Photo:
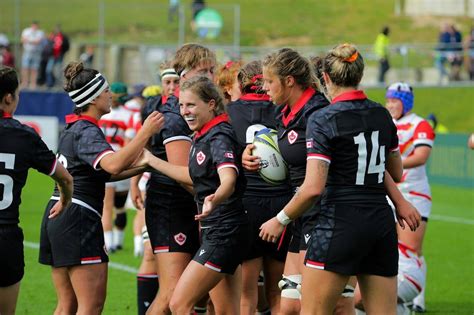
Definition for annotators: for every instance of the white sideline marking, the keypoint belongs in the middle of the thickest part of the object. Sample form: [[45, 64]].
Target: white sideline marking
[[112, 265], [446, 218]]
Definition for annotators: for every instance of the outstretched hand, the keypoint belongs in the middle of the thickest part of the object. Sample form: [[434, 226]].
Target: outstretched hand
[[153, 123], [207, 207]]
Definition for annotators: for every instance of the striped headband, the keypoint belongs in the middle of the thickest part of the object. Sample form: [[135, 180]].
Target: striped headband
[[90, 91], [169, 73]]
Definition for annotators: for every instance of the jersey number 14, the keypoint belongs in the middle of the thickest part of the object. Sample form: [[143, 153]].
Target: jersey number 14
[[373, 168]]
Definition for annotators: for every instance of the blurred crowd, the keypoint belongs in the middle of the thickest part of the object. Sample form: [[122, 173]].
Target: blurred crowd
[[41, 59]]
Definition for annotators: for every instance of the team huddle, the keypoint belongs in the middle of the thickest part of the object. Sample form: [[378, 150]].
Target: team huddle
[[343, 230]]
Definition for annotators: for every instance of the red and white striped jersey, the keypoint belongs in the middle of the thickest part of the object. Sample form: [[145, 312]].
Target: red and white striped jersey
[[114, 125], [414, 131], [133, 125], [410, 265]]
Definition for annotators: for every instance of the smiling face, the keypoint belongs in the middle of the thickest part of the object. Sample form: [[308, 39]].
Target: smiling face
[[395, 107], [195, 111], [170, 84], [273, 86]]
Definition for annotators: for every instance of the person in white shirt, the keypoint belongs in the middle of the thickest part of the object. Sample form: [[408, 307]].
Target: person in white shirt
[[31, 38], [416, 138]]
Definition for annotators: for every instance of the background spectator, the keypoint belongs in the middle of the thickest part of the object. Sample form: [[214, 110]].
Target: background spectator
[[31, 38], [6, 56], [469, 54], [60, 45], [381, 51], [173, 10], [87, 57], [449, 49], [196, 7]]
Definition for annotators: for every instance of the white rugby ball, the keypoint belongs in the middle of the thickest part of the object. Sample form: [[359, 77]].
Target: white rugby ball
[[273, 167]]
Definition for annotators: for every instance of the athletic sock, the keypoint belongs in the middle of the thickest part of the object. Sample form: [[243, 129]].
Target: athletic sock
[[138, 245], [264, 312], [420, 299], [200, 310], [109, 240], [119, 236], [147, 287]]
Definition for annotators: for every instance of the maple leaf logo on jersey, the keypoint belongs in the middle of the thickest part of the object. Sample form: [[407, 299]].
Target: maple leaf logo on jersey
[[180, 238], [309, 143], [200, 157], [292, 136]]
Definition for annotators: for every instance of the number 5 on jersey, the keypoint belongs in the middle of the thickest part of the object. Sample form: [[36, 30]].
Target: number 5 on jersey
[[373, 168], [7, 181]]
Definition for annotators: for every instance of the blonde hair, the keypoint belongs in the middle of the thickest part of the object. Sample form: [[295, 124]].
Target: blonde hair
[[288, 62], [344, 65], [226, 76], [189, 56], [206, 90]]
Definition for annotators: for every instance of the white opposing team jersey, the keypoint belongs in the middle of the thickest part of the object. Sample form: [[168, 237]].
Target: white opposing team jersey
[[414, 131], [410, 266], [114, 125], [133, 125]]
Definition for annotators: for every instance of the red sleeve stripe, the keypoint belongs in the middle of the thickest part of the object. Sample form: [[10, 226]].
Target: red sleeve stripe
[[53, 167], [415, 193], [171, 139], [227, 164], [100, 156], [315, 156]]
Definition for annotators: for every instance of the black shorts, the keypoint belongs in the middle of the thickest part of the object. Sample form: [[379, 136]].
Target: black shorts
[[12, 262], [223, 248], [170, 222], [75, 237], [354, 239], [260, 210], [302, 228]]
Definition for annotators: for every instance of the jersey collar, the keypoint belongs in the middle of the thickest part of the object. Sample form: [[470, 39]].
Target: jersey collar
[[254, 97], [210, 124], [73, 118], [350, 96], [6, 115], [305, 97]]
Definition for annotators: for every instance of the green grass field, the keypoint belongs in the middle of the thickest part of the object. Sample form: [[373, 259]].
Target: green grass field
[[266, 22], [449, 249], [452, 106]]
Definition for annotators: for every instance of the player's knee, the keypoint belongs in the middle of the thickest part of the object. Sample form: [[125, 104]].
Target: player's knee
[[290, 286]]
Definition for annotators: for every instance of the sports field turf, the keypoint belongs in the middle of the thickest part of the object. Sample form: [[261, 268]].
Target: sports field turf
[[449, 249]]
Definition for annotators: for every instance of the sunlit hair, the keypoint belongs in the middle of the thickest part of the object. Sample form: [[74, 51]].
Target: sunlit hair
[[206, 90], [189, 56], [344, 65], [226, 76], [250, 78], [288, 62], [76, 77]]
